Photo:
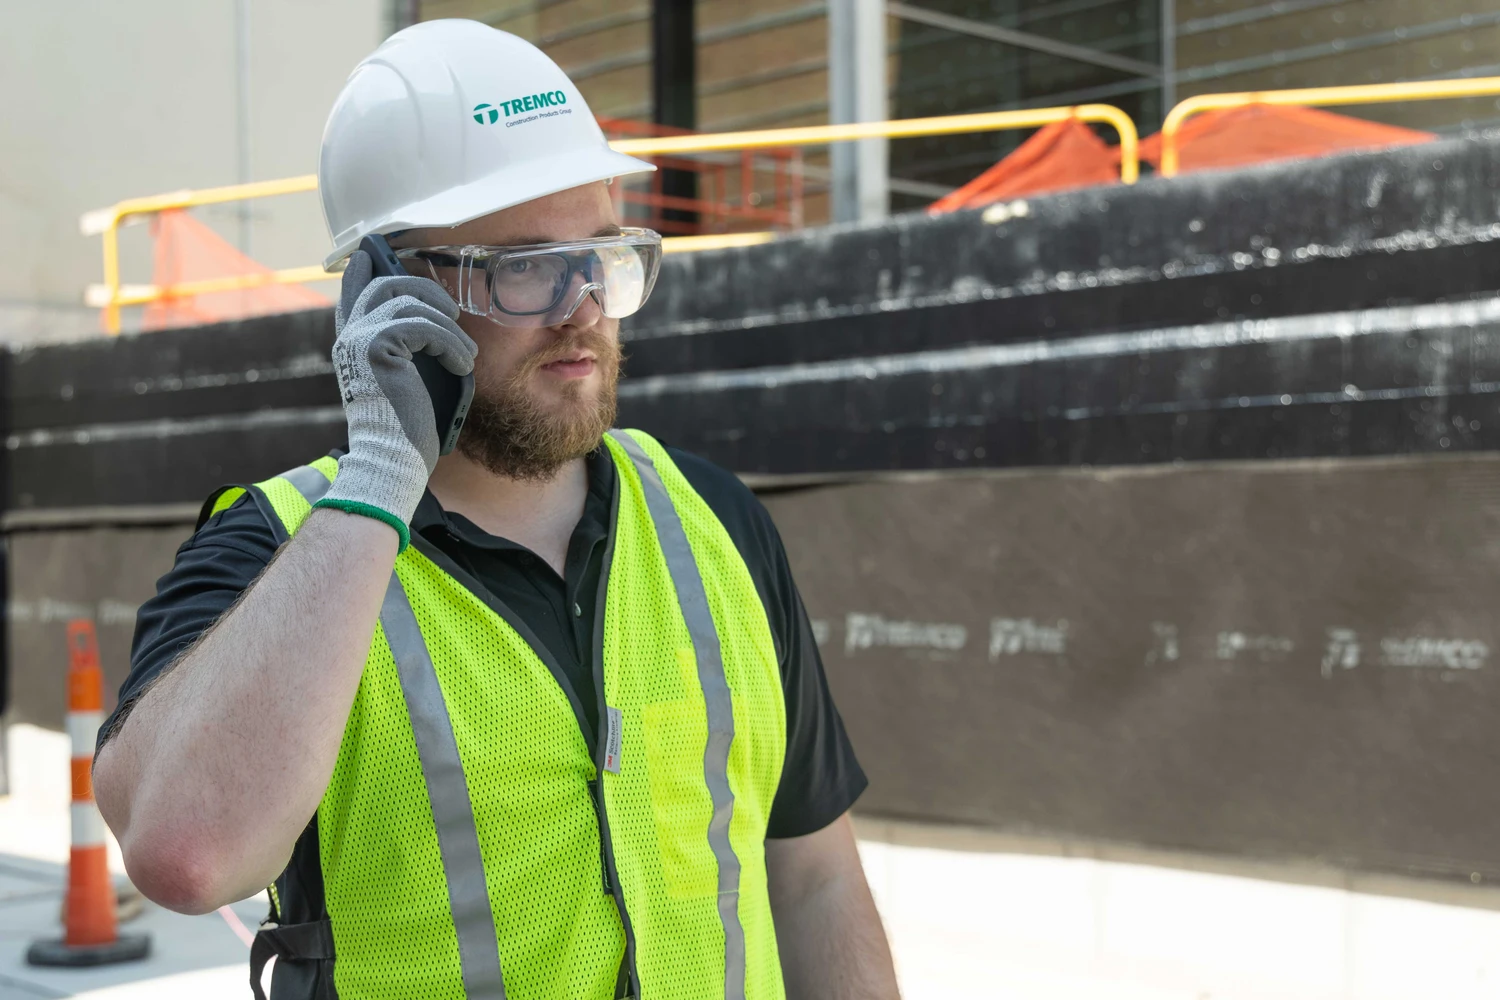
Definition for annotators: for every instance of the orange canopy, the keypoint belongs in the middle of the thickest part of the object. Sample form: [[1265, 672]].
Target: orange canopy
[[1061, 156], [188, 250], [1259, 133]]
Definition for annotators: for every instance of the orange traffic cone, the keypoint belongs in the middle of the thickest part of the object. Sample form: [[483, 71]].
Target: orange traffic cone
[[91, 937]]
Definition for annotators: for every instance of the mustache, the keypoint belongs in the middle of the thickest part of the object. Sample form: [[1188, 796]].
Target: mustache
[[602, 347]]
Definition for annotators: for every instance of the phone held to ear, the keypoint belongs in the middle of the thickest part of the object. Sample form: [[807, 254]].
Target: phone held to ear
[[451, 394]]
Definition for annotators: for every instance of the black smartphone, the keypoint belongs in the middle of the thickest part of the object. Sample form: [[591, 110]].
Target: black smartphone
[[451, 394]]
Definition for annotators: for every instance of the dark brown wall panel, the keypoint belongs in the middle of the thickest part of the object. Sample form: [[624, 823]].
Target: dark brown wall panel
[[1288, 661]]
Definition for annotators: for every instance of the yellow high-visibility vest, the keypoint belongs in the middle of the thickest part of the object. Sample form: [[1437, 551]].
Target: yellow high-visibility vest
[[472, 848]]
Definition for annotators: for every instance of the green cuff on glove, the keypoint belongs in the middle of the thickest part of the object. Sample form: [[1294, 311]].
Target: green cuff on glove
[[355, 507]]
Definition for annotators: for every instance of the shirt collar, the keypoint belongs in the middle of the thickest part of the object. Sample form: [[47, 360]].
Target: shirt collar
[[430, 514]]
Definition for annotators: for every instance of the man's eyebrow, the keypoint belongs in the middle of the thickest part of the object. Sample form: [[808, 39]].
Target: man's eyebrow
[[527, 241]]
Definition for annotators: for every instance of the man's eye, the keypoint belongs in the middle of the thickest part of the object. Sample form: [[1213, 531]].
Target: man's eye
[[517, 266]]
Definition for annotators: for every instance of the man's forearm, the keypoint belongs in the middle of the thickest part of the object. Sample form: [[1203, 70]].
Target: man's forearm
[[832, 944], [834, 948], [221, 764]]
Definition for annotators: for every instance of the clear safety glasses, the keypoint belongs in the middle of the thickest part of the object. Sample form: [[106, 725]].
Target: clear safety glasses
[[544, 284]]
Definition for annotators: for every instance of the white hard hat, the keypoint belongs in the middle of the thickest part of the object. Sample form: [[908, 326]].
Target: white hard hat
[[448, 121]]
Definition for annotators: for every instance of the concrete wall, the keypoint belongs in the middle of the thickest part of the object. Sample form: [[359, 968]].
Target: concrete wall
[[130, 99]]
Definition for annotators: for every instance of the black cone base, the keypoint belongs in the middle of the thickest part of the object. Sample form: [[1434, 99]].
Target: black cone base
[[126, 948]]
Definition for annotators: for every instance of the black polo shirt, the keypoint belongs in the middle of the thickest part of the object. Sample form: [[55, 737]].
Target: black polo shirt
[[821, 777]]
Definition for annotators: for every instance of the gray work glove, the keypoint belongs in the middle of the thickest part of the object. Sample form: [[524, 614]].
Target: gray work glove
[[393, 436]]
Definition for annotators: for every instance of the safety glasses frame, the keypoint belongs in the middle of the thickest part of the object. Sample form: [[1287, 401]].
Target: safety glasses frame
[[472, 261]]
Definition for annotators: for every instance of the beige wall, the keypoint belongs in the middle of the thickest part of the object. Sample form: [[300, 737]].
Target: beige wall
[[111, 100]]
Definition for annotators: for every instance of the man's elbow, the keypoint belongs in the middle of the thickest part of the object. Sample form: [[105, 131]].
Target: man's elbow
[[169, 858], [177, 871]]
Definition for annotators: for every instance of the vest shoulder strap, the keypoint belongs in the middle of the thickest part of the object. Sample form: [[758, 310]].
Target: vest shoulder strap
[[291, 495], [623, 441], [218, 501], [631, 446], [285, 500]]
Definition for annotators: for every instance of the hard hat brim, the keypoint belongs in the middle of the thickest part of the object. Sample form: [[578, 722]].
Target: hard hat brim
[[489, 194]]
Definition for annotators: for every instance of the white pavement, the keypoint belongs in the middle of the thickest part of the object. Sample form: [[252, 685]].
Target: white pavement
[[192, 957], [970, 924], [971, 916]]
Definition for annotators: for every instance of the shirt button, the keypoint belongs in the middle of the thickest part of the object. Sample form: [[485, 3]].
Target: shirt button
[[577, 611]]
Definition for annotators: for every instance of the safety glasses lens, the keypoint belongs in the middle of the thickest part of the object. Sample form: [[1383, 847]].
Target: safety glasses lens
[[529, 286], [543, 285], [622, 273]]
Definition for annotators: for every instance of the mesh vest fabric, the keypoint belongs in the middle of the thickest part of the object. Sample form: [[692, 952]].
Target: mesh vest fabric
[[528, 771], [671, 892]]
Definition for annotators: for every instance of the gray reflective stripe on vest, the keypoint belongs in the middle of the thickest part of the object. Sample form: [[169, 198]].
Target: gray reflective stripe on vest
[[448, 791], [700, 622], [443, 773], [311, 483]]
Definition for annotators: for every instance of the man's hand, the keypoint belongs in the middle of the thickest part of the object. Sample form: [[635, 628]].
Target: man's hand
[[393, 436], [827, 929]]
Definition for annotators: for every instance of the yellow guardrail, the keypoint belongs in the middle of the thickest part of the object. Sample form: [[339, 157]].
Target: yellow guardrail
[[1374, 93], [99, 296], [905, 128], [106, 222], [112, 295]]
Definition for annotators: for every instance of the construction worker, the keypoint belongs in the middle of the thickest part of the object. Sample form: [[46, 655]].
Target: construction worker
[[542, 717]]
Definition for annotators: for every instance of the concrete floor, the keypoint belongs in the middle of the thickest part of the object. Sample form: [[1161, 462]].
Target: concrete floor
[[971, 916], [979, 922], [191, 956]]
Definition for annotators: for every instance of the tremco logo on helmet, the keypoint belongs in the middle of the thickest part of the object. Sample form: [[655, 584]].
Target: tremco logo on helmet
[[489, 114]]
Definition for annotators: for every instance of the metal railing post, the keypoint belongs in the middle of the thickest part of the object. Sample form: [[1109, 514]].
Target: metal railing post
[[112, 275]]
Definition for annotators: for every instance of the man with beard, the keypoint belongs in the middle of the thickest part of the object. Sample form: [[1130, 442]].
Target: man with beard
[[542, 717]]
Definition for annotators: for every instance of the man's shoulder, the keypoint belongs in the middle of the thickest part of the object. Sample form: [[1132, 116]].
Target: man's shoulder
[[242, 526], [741, 513], [723, 491]]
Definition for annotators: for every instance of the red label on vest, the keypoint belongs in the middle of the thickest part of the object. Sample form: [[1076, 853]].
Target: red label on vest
[[612, 741]]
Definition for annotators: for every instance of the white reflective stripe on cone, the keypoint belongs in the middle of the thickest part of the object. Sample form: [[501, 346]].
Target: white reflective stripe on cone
[[83, 731], [88, 825]]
